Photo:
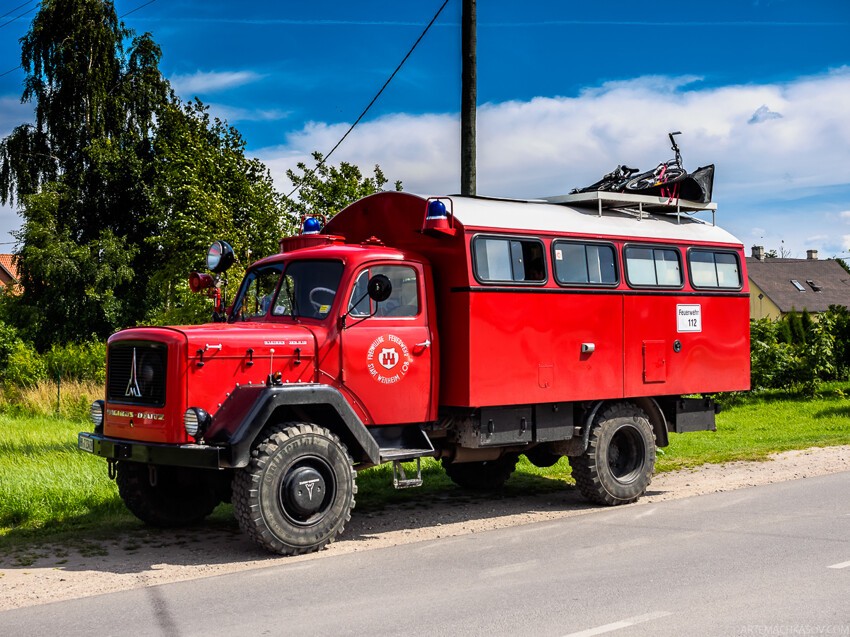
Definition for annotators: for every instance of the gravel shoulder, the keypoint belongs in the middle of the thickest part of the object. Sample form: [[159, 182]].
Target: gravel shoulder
[[53, 572]]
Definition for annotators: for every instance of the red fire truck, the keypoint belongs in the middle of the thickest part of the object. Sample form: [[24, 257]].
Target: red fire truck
[[467, 329]]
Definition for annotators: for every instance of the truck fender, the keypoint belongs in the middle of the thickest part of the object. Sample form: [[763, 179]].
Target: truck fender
[[648, 405], [248, 409], [656, 419]]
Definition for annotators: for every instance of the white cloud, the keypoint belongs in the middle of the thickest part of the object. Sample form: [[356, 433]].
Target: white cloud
[[547, 146], [844, 214], [205, 82], [238, 114]]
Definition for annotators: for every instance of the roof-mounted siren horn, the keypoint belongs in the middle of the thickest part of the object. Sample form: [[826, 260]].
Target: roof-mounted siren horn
[[439, 216]]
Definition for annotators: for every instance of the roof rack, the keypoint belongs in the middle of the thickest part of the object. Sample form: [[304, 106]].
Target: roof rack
[[635, 204]]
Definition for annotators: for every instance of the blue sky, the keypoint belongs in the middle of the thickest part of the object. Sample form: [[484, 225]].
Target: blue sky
[[567, 90]]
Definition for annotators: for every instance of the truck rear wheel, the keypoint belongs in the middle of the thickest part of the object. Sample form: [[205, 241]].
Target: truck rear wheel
[[481, 476], [167, 496], [620, 458], [297, 492]]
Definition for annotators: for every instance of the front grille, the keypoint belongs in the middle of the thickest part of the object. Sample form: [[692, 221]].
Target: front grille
[[137, 373]]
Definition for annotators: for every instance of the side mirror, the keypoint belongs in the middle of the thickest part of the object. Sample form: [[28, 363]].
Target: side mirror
[[380, 288]]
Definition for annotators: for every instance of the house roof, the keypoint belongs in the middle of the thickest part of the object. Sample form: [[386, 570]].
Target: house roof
[[7, 263], [823, 283]]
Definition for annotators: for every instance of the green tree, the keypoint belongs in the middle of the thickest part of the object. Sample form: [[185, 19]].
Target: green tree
[[806, 323], [325, 190], [80, 171], [205, 189], [840, 320], [783, 332], [56, 265], [122, 187], [798, 334]]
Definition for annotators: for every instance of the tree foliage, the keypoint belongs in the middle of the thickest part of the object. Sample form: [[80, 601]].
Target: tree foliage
[[325, 190], [121, 187]]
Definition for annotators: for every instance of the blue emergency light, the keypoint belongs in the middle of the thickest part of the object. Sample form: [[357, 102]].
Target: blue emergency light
[[311, 226], [437, 210]]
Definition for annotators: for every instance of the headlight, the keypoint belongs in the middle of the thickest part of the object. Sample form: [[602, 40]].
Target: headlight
[[196, 421], [96, 414]]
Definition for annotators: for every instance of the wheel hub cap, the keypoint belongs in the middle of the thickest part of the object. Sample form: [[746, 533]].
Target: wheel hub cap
[[303, 492]]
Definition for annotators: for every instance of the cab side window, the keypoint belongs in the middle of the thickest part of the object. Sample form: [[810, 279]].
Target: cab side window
[[403, 301]]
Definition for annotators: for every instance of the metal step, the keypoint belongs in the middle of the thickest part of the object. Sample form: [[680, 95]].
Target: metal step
[[392, 454], [400, 479]]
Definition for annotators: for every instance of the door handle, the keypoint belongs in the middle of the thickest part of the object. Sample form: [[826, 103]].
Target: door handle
[[424, 344]]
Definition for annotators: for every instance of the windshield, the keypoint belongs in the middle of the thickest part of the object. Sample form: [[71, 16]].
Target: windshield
[[306, 290]]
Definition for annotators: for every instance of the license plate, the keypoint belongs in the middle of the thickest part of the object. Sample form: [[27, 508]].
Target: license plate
[[85, 443]]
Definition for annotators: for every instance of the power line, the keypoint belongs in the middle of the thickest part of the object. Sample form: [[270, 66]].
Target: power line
[[141, 6], [18, 17], [20, 6], [374, 99]]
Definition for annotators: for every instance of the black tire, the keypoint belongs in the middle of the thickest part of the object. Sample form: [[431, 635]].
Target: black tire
[[179, 496], [620, 458], [489, 475], [297, 492]]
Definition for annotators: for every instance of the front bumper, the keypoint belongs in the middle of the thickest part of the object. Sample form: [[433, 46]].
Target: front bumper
[[197, 456]]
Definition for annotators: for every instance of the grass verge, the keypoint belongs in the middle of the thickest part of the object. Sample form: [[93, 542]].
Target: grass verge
[[48, 489]]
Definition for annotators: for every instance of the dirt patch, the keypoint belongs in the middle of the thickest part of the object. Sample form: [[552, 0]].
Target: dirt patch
[[52, 572]]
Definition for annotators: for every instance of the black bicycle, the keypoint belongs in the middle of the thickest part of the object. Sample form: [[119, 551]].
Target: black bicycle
[[615, 181], [667, 172]]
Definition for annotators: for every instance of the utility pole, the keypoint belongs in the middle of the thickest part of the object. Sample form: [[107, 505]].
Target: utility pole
[[469, 97]]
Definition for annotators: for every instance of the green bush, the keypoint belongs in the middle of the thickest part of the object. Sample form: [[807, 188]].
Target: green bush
[[9, 340], [77, 361], [801, 363], [24, 367]]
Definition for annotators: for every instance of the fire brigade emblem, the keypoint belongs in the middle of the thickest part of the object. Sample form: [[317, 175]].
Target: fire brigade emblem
[[388, 359]]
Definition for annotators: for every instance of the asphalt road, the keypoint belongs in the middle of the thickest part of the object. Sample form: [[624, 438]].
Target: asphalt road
[[771, 560]]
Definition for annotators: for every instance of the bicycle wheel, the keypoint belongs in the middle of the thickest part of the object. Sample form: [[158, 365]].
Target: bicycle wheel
[[648, 180], [642, 181]]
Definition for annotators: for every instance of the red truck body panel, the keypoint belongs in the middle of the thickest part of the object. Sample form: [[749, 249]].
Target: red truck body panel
[[509, 344]]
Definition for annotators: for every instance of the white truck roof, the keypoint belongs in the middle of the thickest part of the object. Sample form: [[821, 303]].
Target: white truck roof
[[600, 214]]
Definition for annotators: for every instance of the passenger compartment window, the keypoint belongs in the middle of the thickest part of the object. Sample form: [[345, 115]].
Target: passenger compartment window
[[584, 263], [656, 267], [503, 260], [711, 269]]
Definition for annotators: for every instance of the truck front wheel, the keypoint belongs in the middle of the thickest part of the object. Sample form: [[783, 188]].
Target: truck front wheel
[[481, 476], [620, 458], [297, 492], [167, 496]]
